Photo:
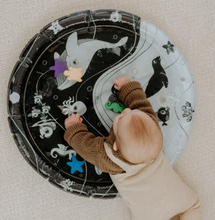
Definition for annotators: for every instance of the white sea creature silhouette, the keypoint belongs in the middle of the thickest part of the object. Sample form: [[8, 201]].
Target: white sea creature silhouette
[[115, 16], [34, 113], [68, 102], [46, 127], [67, 105], [66, 184], [80, 55], [46, 108], [62, 151], [56, 27], [78, 107], [37, 98]]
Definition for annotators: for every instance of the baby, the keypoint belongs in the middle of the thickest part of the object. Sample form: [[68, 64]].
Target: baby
[[132, 155]]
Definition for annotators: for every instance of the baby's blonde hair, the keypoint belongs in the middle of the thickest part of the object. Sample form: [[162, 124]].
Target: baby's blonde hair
[[140, 135], [136, 129]]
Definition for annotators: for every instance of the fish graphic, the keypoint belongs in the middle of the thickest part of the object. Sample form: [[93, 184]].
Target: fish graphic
[[163, 115]]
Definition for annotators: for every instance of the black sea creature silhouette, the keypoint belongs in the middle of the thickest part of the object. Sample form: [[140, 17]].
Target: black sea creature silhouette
[[188, 111], [169, 47], [158, 79], [163, 115]]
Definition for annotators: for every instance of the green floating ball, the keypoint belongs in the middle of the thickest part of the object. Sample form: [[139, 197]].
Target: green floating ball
[[116, 107]]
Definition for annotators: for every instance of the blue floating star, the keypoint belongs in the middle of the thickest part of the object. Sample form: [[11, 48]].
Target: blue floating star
[[76, 165], [58, 67]]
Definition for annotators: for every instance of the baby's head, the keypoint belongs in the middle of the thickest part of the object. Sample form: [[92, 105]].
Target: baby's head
[[138, 138]]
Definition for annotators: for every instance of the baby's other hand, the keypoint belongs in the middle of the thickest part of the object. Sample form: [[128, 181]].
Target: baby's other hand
[[119, 82], [72, 119]]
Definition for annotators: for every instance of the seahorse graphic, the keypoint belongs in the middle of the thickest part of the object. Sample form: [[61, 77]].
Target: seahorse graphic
[[117, 107], [62, 151]]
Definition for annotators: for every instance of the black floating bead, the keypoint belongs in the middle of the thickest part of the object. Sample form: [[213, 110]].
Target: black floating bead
[[114, 91]]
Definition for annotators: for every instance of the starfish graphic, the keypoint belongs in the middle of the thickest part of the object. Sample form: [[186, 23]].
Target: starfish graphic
[[55, 27], [76, 165], [59, 67], [169, 47]]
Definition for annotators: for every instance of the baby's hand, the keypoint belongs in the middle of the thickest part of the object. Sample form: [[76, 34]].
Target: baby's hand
[[119, 82], [72, 119]]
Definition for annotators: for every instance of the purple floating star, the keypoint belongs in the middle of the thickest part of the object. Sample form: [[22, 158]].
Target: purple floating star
[[59, 67]]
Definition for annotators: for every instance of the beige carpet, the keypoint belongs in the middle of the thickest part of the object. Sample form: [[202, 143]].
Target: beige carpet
[[190, 25]]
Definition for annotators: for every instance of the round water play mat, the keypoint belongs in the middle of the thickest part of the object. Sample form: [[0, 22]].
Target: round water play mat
[[69, 67]]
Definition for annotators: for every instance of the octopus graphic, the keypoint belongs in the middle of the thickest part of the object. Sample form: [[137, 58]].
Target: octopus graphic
[[69, 107]]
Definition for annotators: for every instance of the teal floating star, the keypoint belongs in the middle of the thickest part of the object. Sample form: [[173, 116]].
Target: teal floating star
[[76, 165]]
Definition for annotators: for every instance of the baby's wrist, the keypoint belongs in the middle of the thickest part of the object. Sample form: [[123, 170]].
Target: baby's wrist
[[72, 124]]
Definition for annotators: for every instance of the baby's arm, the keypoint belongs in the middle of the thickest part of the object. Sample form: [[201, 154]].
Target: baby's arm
[[88, 146], [133, 96]]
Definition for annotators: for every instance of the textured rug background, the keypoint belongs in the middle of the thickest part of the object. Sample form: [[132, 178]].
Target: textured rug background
[[190, 25]]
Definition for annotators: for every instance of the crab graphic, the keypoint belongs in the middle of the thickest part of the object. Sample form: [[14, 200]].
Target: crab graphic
[[74, 74]]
